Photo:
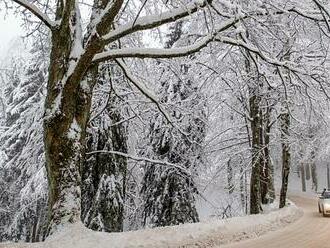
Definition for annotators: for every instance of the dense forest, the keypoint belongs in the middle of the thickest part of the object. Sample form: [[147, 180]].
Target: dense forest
[[127, 114]]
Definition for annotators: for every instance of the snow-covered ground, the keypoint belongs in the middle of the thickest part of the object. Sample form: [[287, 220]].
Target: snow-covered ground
[[205, 234]]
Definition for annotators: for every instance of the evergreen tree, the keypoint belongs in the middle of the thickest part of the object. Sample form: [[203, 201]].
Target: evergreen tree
[[104, 174], [22, 175], [169, 193]]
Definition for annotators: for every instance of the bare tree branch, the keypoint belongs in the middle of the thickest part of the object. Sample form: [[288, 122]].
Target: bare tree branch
[[143, 159], [152, 21], [285, 64], [37, 12], [147, 93], [143, 89], [322, 7], [325, 13]]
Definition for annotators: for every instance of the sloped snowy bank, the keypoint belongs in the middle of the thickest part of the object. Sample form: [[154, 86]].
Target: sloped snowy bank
[[205, 234]]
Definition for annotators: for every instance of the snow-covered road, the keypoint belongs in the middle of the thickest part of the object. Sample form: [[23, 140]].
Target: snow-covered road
[[310, 231]]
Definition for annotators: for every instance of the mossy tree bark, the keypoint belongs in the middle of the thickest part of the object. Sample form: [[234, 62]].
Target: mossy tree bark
[[67, 107]]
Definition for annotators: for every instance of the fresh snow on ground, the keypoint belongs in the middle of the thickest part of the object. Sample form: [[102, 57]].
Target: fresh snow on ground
[[210, 233]]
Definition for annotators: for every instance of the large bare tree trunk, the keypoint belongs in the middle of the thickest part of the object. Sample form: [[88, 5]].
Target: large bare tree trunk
[[255, 190], [284, 120], [254, 85], [67, 107], [285, 124]]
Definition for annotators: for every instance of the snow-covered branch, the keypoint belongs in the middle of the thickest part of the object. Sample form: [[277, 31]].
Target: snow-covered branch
[[163, 53], [285, 64], [152, 21], [146, 92], [100, 18], [143, 159], [153, 52], [37, 12]]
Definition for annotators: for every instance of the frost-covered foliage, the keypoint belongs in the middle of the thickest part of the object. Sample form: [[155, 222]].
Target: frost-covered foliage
[[169, 193], [104, 175], [22, 171]]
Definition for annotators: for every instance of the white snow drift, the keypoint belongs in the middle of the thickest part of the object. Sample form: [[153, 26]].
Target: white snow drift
[[205, 234]]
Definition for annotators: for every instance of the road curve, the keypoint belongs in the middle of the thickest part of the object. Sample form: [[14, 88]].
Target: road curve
[[312, 230]]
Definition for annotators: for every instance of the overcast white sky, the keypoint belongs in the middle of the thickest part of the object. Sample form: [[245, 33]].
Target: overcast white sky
[[9, 28]]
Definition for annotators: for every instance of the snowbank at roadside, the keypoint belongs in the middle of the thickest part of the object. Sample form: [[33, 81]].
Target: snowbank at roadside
[[204, 234]]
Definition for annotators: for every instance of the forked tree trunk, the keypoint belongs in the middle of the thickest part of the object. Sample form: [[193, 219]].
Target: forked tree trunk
[[67, 107], [285, 124]]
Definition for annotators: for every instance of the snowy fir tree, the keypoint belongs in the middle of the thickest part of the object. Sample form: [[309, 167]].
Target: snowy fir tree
[[23, 179], [104, 174], [169, 193]]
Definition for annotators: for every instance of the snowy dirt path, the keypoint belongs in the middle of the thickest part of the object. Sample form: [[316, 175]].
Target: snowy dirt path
[[312, 230]]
